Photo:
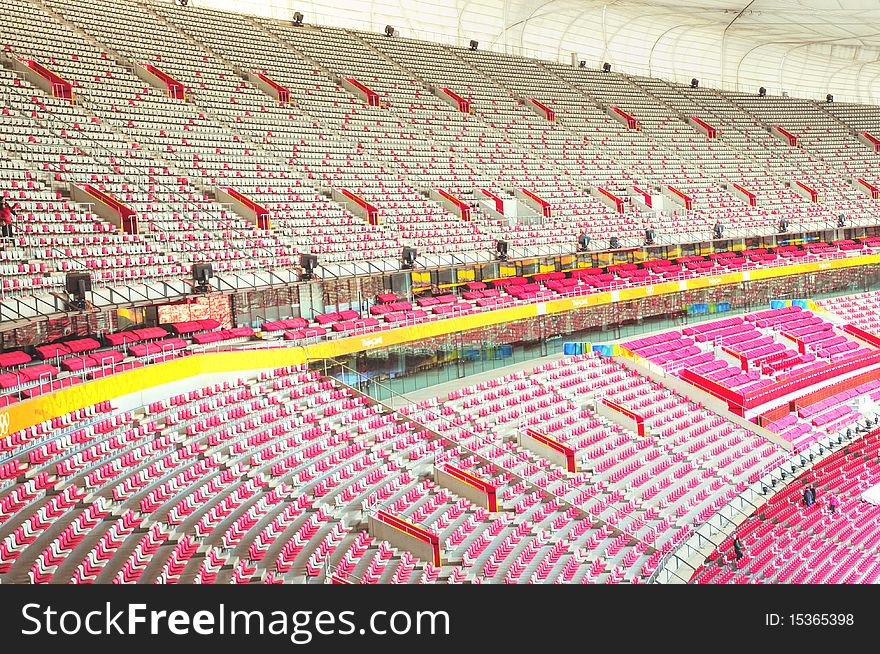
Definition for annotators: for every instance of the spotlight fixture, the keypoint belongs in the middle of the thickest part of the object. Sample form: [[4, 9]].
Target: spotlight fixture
[[408, 257], [829, 98], [389, 30], [201, 274], [308, 263], [762, 91], [298, 19], [583, 242], [695, 83], [77, 285], [501, 250], [606, 67], [474, 44]]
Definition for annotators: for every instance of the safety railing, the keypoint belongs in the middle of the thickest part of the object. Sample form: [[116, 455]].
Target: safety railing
[[678, 565]]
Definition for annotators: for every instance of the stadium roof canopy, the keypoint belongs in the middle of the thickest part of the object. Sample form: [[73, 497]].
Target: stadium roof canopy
[[804, 47]]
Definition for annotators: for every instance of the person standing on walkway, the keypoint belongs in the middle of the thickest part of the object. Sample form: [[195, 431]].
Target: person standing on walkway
[[809, 496], [6, 217], [739, 550]]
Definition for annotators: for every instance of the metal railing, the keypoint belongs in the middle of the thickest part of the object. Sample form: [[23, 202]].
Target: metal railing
[[674, 567]]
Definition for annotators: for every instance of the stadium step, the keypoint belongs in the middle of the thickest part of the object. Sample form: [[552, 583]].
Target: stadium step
[[622, 116], [608, 198], [106, 206], [453, 99], [643, 197], [244, 206], [541, 109], [270, 87], [497, 203], [870, 140], [161, 80], [535, 201], [40, 76], [741, 192], [784, 135], [805, 190], [452, 203], [678, 196], [361, 90], [357, 205], [703, 127], [864, 186]]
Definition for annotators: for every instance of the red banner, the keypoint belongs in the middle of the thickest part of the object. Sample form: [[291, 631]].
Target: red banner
[[129, 219], [261, 212], [546, 208], [553, 444], [464, 209], [283, 92], [61, 88], [688, 200], [412, 530], [175, 88], [471, 480], [371, 95], [372, 211], [464, 106], [548, 112], [499, 203]]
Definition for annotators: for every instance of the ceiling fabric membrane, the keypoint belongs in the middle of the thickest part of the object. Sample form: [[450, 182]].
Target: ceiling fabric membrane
[[803, 47]]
